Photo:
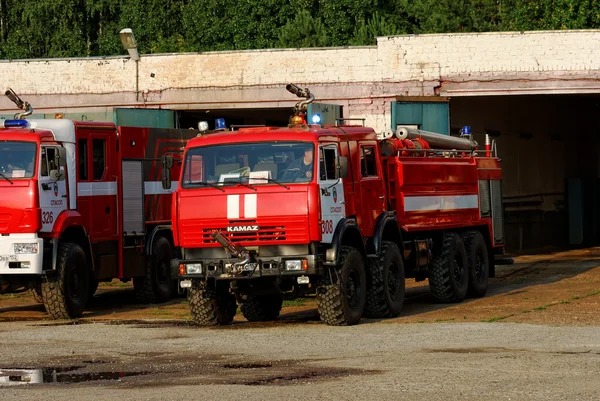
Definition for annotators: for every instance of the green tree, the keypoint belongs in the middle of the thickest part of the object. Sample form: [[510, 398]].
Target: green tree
[[440, 16], [366, 33], [303, 31], [525, 15]]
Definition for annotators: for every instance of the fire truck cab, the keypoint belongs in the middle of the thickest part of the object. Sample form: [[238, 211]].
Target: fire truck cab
[[339, 211], [81, 202]]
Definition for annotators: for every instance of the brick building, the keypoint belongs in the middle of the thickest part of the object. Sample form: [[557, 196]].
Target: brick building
[[537, 93]]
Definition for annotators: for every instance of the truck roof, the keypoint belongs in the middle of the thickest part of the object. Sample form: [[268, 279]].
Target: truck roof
[[60, 130], [266, 134]]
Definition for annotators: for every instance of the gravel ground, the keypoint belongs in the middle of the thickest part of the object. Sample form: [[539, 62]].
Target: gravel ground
[[378, 360], [535, 336]]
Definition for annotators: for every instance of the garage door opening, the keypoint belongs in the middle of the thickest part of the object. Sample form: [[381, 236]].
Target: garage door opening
[[237, 117], [549, 146]]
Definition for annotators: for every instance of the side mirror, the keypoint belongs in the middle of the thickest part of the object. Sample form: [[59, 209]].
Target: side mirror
[[167, 163], [61, 157], [342, 167], [56, 175]]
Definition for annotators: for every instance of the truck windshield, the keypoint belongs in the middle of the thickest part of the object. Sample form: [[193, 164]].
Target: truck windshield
[[258, 163], [17, 159]]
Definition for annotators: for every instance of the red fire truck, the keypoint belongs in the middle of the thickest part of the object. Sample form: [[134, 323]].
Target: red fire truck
[[82, 202], [334, 210]]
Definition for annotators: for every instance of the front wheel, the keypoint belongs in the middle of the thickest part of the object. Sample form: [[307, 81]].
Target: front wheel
[[36, 293], [66, 292], [262, 308], [343, 303], [210, 307]]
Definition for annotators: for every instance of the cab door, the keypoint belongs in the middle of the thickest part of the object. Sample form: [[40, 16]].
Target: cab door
[[97, 185], [53, 194], [331, 188], [371, 188]]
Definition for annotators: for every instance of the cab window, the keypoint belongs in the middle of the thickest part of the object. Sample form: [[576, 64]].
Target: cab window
[[368, 166], [327, 164], [48, 162]]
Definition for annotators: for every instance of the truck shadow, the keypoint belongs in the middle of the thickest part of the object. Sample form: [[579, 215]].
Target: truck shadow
[[120, 304]]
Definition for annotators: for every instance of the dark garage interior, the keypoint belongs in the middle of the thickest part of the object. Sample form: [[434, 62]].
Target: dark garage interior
[[549, 146]]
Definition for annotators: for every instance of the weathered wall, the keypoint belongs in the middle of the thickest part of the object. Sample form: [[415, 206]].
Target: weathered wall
[[362, 79]]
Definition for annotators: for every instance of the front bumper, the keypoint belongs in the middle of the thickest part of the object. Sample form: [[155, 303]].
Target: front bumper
[[224, 269], [25, 263]]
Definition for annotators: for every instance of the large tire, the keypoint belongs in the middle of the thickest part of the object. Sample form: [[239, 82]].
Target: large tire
[[449, 271], [262, 308], [385, 297], [66, 293], [209, 308], [157, 285], [36, 293], [478, 262], [343, 303]]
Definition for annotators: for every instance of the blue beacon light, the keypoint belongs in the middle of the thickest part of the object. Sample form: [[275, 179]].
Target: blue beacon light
[[220, 124], [15, 123]]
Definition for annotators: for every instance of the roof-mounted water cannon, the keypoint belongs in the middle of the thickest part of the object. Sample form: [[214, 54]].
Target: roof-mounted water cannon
[[20, 104], [299, 117]]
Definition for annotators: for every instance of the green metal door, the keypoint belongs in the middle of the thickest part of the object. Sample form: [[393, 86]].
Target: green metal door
[[149, 118], [431, 116], [328, 113]]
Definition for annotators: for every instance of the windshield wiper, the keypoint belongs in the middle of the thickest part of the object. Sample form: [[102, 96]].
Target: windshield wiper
[[245, 185], [208, 184], [271, 180], [6, 178]]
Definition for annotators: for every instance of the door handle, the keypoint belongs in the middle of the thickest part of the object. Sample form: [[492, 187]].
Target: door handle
[[107, 210], [64, 195], [382, 197]]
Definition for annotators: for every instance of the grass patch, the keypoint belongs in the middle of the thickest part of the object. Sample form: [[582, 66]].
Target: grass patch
[[294, 302], [496, 318]]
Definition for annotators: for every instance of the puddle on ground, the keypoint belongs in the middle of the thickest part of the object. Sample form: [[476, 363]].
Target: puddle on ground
[[68, 375]]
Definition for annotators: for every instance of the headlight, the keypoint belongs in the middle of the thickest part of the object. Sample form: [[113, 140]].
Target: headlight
[[193, 268], [294, 265], [26, 248]]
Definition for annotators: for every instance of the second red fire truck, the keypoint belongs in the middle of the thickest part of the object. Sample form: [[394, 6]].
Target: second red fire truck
[[334, 210]]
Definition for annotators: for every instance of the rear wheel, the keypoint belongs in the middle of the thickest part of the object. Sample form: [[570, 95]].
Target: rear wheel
[[66, 292], [157, 285], [262, 308], [210, 307], [449, 271], [479, 263], [385, 298], [343, 303]]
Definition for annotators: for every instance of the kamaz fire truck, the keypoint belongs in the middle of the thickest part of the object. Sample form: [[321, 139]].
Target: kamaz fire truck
[[339, 211], [82, 202]]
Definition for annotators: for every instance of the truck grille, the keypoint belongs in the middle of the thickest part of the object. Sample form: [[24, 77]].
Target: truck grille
[[273, 230], [271, 233]]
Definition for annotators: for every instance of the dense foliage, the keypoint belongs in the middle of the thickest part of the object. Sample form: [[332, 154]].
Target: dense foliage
[[69, 28]]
